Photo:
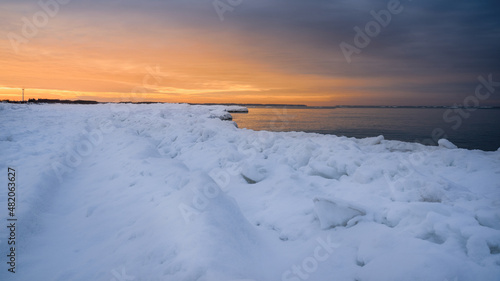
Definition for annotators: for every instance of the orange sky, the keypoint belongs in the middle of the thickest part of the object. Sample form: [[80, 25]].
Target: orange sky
[[70, 60], [99, 54], [174, 65]]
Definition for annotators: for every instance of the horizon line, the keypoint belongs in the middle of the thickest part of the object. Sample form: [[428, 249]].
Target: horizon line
[[78, 101]]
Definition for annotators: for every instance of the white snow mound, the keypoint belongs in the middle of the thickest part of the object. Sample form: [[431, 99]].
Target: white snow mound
[[446, 144], [332, 213], [157, 192]]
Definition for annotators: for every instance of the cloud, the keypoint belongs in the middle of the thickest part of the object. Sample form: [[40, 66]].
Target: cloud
[[431, 48]]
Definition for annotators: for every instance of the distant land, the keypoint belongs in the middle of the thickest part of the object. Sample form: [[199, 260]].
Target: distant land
[[254, 104], [54, 101]]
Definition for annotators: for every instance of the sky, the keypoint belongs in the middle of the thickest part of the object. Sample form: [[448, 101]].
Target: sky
[[316, 52]]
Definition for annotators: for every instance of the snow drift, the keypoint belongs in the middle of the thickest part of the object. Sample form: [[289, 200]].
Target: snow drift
[[172, 192]]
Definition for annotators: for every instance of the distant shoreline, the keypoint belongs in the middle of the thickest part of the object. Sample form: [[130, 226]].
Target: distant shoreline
[[255, 105]]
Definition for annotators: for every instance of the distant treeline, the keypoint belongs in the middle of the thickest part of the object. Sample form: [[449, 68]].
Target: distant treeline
[[54, 101], [150, 102], [62, 101]]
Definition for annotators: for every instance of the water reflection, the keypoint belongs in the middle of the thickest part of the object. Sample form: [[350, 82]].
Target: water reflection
[[480, 131]]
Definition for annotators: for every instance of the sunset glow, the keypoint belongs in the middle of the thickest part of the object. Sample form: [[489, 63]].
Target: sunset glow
[[183, 52]]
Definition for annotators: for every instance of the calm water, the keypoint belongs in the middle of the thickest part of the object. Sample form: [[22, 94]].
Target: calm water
[[478, 130]]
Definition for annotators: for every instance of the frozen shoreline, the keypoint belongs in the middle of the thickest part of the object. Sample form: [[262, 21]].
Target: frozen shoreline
[[170, 192]]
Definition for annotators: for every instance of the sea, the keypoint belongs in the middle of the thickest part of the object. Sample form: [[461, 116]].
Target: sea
[[470, 128]]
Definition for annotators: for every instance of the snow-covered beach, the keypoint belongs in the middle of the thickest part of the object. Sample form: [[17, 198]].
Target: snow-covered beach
[[172, 192]]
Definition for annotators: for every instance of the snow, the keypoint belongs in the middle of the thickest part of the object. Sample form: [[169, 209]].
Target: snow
[[236, 109], [172, 192], [335, 213], [446, 144]]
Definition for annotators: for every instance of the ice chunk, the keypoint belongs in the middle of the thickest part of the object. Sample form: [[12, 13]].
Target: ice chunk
[[236, 109], [488, 217], [477, 248], [335, 213], [225, 116], [446, 144], [325, 171], [254, 173], [371, 141]]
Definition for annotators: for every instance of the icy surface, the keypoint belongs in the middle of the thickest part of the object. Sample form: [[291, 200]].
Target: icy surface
[[171, 192], [335, 213], [446, 144], [236, 108]]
